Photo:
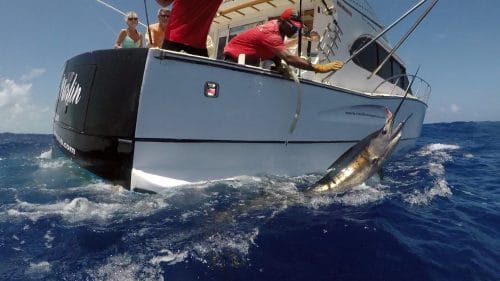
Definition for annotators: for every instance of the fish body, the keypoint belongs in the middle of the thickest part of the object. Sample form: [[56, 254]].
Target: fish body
[[362, 160]]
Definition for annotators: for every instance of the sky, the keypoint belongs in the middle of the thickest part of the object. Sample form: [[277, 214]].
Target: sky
[[457, 48]]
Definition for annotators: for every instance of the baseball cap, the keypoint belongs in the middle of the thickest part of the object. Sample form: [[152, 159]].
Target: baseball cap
[[289, 16]]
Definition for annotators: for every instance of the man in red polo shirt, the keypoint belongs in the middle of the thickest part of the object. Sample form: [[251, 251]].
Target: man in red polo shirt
[[265, 42], [188, 25]]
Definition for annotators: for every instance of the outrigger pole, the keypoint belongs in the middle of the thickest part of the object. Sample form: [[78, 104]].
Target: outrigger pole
[[118, 11], [406, 93], [385, 30], [426, 12]]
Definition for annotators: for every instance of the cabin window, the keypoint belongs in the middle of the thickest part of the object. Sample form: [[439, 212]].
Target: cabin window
[[368, 57], [386, 70], [371, 57]]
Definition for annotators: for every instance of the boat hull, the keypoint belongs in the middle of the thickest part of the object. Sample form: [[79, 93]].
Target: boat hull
[[196, 119]]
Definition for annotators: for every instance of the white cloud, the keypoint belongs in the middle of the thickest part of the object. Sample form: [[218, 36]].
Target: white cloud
[[454, 108], [18, 113], [451, 108], [34, 73]]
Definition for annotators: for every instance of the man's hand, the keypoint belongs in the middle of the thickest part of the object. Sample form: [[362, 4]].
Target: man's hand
[[327, 67]]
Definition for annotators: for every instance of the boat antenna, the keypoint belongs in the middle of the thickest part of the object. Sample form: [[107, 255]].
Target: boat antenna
[[147, 21], [406, 93], [117, 10]]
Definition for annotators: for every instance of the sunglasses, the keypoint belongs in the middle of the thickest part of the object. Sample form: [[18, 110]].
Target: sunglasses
[[164, 16], [292, 27], [132, 18]]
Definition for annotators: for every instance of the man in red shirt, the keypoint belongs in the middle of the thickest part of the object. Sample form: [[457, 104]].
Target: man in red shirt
[[188, 25], [265, 42]]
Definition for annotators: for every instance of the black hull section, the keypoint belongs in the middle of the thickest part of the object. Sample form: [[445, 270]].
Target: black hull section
[[96, 111], [106, 157]]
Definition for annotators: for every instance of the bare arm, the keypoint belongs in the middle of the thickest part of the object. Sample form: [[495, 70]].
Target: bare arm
[[294, 60], [164, 3], [148, 40], [119, 38]]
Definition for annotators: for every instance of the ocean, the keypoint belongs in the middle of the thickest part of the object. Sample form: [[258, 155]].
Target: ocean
[[435, 215]]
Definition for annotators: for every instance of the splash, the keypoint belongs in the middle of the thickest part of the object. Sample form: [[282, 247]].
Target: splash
[[438, 155], [46, 154], [39, 270], [124, 268], [169, 257]]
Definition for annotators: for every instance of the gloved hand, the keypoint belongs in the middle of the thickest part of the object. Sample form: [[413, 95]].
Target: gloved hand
[[331, 66]]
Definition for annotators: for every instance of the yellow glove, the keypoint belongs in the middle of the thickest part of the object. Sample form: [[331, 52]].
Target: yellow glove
[[331, 66]]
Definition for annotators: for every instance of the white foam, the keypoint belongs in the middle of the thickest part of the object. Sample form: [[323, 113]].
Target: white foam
[[169, 257], [435, 169], [434, 147], [78, 209], [357, 196], [124, 268], [107, 206], [46, 154], [48, 162], [39, 269], [439, 189], [53, 164], [221, 243]]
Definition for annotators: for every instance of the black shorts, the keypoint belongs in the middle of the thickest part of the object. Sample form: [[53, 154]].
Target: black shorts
[[174, 46]]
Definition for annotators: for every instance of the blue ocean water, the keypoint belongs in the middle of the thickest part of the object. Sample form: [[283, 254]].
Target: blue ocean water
[[434, 216]]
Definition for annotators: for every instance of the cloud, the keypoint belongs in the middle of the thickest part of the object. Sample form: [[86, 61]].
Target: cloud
[[34, 73], [18, 113], [451, 108], [13, 95], [454, 108]]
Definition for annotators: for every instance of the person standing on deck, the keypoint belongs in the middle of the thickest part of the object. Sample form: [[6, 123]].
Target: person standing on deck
[[129, 37], [266, 41], [189, 24], [158, 29]]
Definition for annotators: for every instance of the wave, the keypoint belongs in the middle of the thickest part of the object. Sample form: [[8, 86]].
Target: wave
[[437, 154]]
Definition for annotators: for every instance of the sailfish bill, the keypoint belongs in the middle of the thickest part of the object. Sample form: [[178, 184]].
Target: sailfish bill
[[362, 160]]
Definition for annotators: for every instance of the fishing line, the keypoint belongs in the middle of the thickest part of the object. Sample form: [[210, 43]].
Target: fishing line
[[298, 107], [406, 93]]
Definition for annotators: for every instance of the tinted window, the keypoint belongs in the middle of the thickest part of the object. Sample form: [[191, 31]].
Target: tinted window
[[368, 57], [372, 56], [386, 70]]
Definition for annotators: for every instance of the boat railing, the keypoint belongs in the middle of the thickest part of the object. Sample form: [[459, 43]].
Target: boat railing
[[419, 89]]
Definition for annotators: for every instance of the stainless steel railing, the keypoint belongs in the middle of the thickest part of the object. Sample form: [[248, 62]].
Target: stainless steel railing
[[419, 89]]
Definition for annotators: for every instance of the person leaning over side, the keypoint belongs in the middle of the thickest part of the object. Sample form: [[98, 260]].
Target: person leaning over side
[[292, 44], [266, 41], [158, 29], [189, 24], [129, 37]]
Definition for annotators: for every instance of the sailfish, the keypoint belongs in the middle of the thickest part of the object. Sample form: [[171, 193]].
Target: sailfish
[[363, 160]]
